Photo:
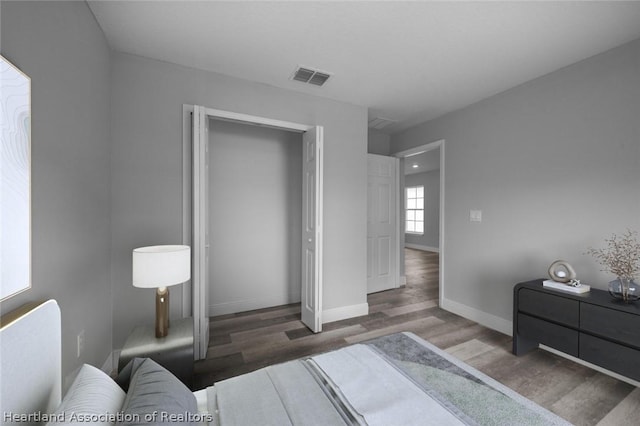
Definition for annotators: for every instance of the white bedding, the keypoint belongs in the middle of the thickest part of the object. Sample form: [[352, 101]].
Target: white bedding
[[366, 390], [279, 395], [376, 390]]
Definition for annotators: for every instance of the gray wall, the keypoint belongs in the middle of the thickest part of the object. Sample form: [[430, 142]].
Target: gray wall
[[378, 142], [554, 166], [146, 198], [60, 46], [431, 182], [255, 217]]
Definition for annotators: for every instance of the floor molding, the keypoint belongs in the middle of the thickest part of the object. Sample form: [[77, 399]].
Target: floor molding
[[421, 247], [250, 305], [490, 321]]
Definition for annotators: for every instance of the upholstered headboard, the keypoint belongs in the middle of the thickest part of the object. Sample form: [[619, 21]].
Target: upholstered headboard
[[30, 362]]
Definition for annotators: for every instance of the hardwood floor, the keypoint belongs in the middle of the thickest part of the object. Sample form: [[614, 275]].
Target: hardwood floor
[[247, 341]]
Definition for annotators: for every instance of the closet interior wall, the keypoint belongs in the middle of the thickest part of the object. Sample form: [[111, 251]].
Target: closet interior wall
[[255, 213]]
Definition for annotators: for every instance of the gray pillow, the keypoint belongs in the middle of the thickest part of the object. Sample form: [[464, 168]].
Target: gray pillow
[[93, 397], [156, 396]]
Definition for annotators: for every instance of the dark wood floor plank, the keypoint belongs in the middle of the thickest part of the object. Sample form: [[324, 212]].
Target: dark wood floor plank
[[416, 326], [303, 346], [625, 413], [280, 327], [597, 395]]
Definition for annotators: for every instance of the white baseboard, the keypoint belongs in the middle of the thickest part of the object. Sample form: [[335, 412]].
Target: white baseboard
[[490, 321], [328, 315], [249, 305], [421, 247], [403, 280], [344, 312]]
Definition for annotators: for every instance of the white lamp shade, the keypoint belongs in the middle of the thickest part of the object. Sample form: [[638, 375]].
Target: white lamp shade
[[161, 266]]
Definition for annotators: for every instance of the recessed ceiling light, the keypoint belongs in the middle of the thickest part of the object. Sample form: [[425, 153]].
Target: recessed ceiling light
[[415, 166]]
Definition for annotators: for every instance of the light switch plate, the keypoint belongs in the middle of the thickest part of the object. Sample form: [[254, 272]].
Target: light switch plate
[[80, 341], [475, 215]]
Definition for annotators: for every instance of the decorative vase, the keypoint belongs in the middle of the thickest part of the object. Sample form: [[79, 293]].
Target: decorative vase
[[624, 289]]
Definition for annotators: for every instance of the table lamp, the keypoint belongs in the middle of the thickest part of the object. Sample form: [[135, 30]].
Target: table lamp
[[159, 267]]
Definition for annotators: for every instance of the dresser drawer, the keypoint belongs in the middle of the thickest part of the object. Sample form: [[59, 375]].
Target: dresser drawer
[[612, 356], [549, 306], [609, 323], [556, 336]]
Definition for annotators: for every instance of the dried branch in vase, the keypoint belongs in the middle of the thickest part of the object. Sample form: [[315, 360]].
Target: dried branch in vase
[[621, 257]]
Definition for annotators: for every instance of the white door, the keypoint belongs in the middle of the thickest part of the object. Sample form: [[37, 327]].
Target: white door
[[200, 270], [382, 221], [311, 304]]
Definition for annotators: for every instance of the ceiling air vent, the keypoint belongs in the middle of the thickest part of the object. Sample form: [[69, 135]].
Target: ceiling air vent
[[380, 123], [311, 76]]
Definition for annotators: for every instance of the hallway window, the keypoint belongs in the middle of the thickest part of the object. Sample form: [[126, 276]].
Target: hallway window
[[415, 210]]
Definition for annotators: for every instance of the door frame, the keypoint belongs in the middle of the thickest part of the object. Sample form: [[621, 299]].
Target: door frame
[[188, 161], [408, 153]]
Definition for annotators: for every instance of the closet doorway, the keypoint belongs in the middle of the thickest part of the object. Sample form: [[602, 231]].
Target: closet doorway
[[200, 211], [255, 214]]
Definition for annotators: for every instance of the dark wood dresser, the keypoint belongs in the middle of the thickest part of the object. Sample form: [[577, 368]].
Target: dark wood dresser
[[591, 326]]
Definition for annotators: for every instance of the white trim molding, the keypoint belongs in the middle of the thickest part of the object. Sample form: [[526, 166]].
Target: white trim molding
[[488, 320], [421, 247], [255, 120], [187, 110], [344, 312]]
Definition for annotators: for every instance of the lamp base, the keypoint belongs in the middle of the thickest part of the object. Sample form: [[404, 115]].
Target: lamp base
[[162, 312]]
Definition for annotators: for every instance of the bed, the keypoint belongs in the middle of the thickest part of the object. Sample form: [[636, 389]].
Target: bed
[[398, 379]]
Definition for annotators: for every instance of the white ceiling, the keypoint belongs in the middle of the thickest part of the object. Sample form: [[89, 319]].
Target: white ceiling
[[405, 61]]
